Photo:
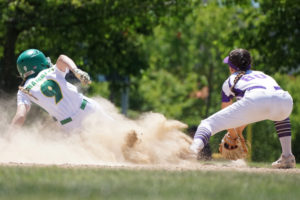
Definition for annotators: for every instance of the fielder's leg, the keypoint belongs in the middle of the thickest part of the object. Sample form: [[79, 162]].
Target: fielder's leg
[[245, 111], [287, 159]]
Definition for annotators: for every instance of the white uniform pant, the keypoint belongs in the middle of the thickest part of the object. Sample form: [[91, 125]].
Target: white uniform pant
[[256, 105], [76, 124]]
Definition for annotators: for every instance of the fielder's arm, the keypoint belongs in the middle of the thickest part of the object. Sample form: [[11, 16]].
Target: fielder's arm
[[234, 132], [64, 62]]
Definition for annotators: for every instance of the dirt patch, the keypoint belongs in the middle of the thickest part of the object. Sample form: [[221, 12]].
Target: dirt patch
[[189, 166], [150, 139]]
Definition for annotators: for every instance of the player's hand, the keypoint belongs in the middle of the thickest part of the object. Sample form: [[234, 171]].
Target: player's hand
[[82, 76]]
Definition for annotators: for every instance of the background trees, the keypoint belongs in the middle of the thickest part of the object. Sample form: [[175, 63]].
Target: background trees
[[99, 35]]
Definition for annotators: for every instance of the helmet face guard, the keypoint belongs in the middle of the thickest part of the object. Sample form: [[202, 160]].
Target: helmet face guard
[[31, 62]]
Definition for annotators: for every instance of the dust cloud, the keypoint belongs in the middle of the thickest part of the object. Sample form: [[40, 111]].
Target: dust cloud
[[150, 139]]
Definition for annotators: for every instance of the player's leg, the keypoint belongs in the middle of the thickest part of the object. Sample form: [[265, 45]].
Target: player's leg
[[252, 108], [287, 159], [284, 103], [88, 108], [283, 129], [238, 114], [95, 107]]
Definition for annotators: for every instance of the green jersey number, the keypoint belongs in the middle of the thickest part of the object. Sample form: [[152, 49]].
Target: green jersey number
[[51, 88]]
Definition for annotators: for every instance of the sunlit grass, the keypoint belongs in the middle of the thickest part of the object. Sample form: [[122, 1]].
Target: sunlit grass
[[96, 183]]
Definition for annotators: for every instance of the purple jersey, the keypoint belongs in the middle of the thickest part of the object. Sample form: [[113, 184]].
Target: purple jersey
[[251, 80]]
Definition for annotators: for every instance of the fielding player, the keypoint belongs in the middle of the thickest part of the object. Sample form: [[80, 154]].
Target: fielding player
[[45, 85], [259, 97]]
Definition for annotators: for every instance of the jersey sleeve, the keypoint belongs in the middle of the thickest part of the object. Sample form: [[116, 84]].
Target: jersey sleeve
[[23, 99], [227, 95], [63, 74]]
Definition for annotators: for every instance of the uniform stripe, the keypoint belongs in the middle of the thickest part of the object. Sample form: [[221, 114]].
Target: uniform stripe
[[65, 121], [83, 104], [282, 125], [284, 134], [226, 98], [204, 134], [283, 128], [277, 88], [286, 120], [282, 122]]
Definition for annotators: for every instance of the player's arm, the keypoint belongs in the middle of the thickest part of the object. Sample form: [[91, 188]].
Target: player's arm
[[20, 115], [65, 63]]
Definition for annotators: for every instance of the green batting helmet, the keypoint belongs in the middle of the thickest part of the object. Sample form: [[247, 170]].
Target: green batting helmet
[[31, 62]]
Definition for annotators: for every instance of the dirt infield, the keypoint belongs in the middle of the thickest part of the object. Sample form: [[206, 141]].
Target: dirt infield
[[150, 139], [237, 166]]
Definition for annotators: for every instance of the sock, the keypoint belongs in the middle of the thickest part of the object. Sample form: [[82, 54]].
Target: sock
[[197, 145], [283, 129], [203, 134]]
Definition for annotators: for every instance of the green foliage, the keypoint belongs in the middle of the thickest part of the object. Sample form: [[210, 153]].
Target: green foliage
[[99, 35], [172, 99], [265, 145], [279, 36], [99, 89], [191, 49]]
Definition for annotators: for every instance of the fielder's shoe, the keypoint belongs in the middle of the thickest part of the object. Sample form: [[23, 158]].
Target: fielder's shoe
[[285, 162]]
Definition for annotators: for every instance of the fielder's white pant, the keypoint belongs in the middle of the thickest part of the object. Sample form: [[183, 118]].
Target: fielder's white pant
[[256, 105], [76, 124]]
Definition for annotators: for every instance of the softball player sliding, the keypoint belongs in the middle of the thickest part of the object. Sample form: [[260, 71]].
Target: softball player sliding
[[259, 98], [46, 86]]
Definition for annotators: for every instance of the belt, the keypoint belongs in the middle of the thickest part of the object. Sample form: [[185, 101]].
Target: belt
[[262, 87], [69, 119]]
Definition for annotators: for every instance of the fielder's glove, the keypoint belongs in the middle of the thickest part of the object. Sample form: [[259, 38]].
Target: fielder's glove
[[233, 149], [82, 76]]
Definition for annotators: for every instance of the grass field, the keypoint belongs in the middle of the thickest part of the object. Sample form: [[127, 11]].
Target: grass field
[[53, 182]]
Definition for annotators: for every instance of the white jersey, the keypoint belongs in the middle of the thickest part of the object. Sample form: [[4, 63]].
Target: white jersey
[[52, 92], [251, 80]]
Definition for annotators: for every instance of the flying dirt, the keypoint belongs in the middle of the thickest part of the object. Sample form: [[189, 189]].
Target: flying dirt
[[150, 139]]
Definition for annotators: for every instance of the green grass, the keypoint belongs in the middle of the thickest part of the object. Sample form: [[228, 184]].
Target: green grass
[[45, 183]]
